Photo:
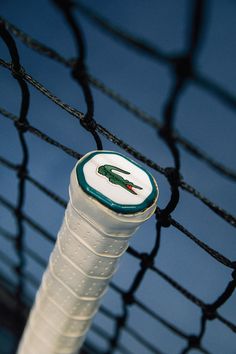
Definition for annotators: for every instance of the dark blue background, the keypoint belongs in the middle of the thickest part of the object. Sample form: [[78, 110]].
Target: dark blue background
[[200, 116]]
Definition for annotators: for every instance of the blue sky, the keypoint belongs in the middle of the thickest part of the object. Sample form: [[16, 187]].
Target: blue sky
[[200, 117]]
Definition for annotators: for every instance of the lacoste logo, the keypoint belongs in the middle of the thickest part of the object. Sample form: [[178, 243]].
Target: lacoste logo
[[107, 171]]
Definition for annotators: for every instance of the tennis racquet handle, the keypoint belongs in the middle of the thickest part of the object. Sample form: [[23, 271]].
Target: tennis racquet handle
[[110, 197]]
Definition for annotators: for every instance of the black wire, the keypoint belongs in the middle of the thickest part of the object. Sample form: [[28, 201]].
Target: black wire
[[183, 71], [28, 220], [138, 113], [22, 168], [216, 255], [39, 134], [79, 71], [111, 137], [144, 47]]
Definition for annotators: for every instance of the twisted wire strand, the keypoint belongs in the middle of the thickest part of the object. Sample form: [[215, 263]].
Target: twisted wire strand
[[171, 281], [21, 195], [145, 47], [79, 71], [111, 137], [39, 134], [196, 151], [216, 255], [183, 71], [105, 311]]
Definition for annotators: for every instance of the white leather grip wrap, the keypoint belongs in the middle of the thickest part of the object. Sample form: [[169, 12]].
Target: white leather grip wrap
[[93, 236]]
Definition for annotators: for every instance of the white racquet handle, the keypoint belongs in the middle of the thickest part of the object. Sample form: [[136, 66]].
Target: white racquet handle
[[110, 196]]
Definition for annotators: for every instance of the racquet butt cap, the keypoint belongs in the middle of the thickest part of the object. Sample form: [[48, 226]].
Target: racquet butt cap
[[112, 191]]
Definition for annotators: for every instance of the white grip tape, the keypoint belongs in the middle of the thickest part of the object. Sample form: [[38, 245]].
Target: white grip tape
[[80, 267], [72, 286]]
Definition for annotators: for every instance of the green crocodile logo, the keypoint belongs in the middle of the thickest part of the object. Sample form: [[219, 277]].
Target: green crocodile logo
[[107, 171]]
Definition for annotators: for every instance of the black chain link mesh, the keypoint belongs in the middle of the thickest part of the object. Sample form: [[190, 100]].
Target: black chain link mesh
[[184, 71]]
